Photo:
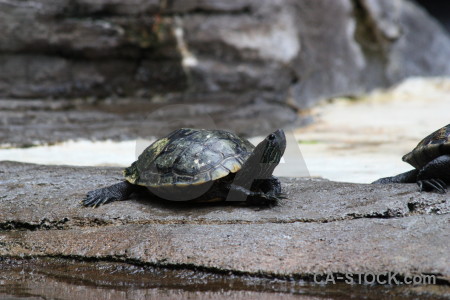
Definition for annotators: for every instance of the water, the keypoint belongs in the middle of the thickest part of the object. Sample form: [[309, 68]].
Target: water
[[71, 279]]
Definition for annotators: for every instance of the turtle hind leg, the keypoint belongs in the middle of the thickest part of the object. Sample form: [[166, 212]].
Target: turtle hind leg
[[115, 192], [435, 175], [407, 177]]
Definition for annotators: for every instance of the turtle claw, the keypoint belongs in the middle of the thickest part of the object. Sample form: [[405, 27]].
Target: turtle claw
[[273, 198], [281, 196], [430, 185], [263, 199], [115, 192], [94, 199]]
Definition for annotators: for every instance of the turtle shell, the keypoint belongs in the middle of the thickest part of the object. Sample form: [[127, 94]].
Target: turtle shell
[[189, 157], [431, 147]]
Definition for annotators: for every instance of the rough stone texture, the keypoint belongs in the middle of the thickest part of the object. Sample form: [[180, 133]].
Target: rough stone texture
[[322, 227], [438, 9], [252, 56], [25, 123]]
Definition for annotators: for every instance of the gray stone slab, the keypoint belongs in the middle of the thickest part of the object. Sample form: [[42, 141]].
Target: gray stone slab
[[408, 246], [40, 195], [322, 227]]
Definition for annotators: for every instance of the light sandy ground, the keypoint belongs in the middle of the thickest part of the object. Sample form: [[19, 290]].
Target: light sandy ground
[[364, 139], [354, 140]]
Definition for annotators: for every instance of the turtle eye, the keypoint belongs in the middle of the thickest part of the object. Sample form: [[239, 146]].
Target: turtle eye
[[271, 137]]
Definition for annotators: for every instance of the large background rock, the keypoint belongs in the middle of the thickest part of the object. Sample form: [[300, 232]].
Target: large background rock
[[438, 9], [239, 57]]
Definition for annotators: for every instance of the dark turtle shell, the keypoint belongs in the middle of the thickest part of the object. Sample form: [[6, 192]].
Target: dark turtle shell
[[189, 157], [431, 147]]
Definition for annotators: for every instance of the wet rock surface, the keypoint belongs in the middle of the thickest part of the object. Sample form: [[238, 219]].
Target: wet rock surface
[[256, 56], [323, 227], [75, 279]]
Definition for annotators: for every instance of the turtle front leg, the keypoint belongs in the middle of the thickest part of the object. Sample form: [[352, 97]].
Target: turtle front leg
[[269, 186], [115, 192], [435, 176], [239, 193], [407, 177]]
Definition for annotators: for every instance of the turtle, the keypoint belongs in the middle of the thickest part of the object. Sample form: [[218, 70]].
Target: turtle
[[431, 162], [203, 166]]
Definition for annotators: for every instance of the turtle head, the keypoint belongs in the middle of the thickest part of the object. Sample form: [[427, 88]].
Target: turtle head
[[272, 147], [266, 155]]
